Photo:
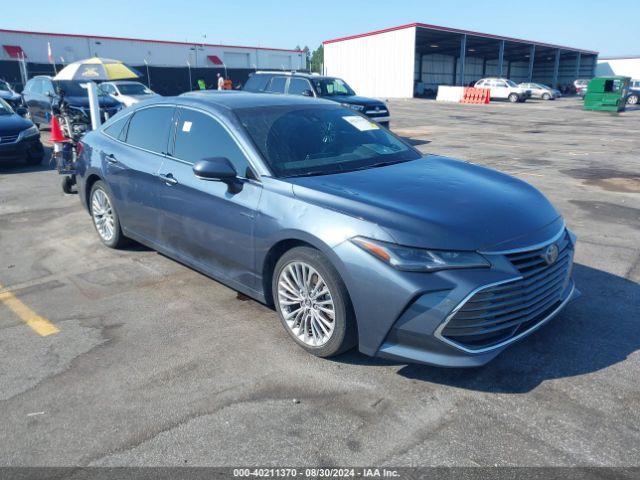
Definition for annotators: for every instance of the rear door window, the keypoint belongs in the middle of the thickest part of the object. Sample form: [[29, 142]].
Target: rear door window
[[277, 85], [47, 87], [149, 128], [257, 83], [297, 86], [117, 129]]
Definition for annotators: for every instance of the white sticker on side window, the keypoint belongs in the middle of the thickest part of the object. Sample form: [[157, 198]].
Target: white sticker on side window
[[186, 127], [361, 123]]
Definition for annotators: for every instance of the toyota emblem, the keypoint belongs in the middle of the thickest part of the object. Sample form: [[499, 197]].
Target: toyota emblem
[[550, 254]]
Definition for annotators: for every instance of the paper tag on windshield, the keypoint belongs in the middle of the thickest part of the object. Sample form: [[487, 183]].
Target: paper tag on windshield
[[361, 123], [186, 127]]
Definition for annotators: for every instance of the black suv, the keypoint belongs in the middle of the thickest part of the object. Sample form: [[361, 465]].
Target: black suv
[[330, 88], [41, 92]]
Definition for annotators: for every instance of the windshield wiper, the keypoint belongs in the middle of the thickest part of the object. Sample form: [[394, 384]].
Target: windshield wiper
[[312, 173]]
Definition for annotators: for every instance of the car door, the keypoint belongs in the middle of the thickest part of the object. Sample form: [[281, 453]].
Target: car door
[[205, 223], [131, 163], [501, 88], [45, 99], [33, 91]]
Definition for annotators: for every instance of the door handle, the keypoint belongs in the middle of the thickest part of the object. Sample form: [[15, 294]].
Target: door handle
[[168, 178], [111, 158]]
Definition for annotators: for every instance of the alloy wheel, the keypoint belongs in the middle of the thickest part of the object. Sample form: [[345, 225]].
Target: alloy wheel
[[102, 213], [306, 304]]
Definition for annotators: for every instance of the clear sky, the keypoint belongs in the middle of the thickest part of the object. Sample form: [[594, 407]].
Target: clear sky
[[588, 24]]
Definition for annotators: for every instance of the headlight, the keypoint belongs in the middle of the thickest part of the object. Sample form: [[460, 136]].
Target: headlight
[[357, 108], [420, 260], [32, 131]]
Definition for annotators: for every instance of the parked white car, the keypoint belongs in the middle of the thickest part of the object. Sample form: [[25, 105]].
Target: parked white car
[[503, 88], [539, 90], [127, 92]]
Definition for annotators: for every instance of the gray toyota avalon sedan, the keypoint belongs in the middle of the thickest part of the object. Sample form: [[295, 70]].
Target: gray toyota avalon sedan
[[355, 237]]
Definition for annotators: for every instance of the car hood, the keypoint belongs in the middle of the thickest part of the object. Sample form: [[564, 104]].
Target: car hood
[[439, 203], [83, 102], [13, 124], [12, 96], [356, 100]]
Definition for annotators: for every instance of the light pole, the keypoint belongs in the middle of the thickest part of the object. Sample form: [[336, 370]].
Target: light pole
[[148, 75], [189, 67]]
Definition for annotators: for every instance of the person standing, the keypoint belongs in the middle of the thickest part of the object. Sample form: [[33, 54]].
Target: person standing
[[220, 82]]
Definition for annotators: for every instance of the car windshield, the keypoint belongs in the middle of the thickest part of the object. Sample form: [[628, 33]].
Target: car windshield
[[327, 87], [133, 89], [511, 83], [73, 88], [321, 140], [4, 86], [5, 109]]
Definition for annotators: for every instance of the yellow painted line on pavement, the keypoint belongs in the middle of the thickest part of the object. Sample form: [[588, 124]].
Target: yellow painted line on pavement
[[38, 324]]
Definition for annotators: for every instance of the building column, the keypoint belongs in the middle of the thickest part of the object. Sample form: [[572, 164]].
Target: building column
[[463, 57], [578, 60], [500, 59], [532, 57], [556, 70]]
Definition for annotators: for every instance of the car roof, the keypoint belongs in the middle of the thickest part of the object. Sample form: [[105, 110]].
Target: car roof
[[124, 82], [292, 74], [237, 99]]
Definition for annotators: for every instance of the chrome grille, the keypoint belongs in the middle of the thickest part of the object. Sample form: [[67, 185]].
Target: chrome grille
[[8, 138], [498, 313]]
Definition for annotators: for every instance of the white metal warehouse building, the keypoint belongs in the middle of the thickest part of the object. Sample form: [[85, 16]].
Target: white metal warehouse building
[[399, 61], [170, 59], [625, 66]]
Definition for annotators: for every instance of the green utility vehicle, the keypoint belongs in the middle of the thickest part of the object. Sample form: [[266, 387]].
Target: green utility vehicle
[[607, 94]]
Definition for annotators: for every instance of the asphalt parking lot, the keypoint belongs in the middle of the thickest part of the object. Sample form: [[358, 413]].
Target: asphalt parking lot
[[129, 358]]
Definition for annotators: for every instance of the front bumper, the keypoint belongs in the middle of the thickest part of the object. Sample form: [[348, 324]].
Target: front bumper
[[401, 315], [27, 148]]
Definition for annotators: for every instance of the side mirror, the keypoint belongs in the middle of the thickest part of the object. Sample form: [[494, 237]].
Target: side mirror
[[218, 169], [307, 93], [21, 111]]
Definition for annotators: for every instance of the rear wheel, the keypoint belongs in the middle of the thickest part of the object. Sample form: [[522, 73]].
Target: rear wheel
[[313, 303], [546, 96], [514, 98], [632, 99], [104, 216]]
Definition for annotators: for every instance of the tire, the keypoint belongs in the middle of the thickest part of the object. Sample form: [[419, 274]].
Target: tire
[[632, 99], [108, 229], [546, 96], [514, 98], [67, 185], [309, 328]]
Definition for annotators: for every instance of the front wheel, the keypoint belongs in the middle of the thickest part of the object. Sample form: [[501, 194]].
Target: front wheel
[[632, 100], [104, 216], [514, 98], [313, 303]]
